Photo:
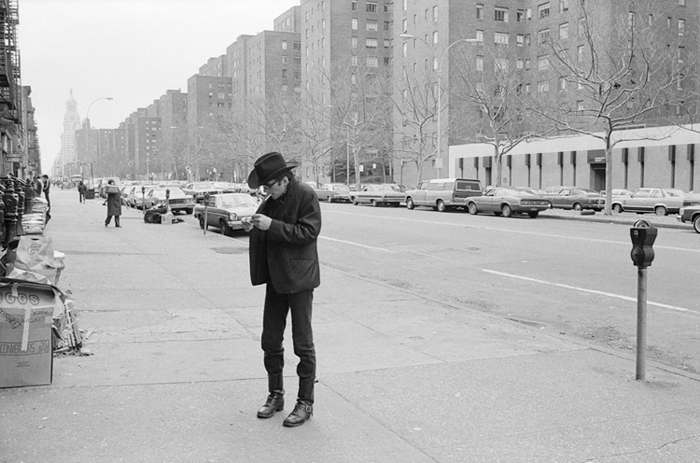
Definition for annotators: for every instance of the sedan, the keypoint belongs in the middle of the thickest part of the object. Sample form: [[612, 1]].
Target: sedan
[[690, 214], [577, 199], [377, 195], [333, 192], [507, 201], [176, 198], [660, 201], [225, 211], [198, 189]]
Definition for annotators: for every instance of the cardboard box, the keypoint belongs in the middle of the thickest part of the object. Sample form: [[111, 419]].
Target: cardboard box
[[26, 317]]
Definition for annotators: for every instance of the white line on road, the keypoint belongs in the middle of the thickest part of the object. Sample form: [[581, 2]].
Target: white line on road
[[584, 290], [521, 232], [356, 244]]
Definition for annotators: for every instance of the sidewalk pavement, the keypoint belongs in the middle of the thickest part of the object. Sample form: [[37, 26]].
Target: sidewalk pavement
[[177, 372]]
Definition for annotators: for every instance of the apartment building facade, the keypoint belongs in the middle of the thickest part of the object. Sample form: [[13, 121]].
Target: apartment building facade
[[442, 40]]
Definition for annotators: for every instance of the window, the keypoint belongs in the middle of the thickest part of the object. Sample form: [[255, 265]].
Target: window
[[480, 37], [480, 12], [543, 63], [284, 44], [387, 43], [500, 38], [372, 26], [387, 25], [284, 73], [371, 7], [435, 38], [520, 15], [435, 13], [563, 6], [579, 53], [387, 61], [387, 8], [284, 60], [680, 54], [543, 86], [353, 42], [501, 14], [405, 25], [405, 5], [404, 49], [354, 24], [543, 10], [353, 60], [681, 2], [520, 40], [520, 63], [579, 106], [297, 46], [543, 37], [371, 43], [562, 83], [353, 5], [681, 26], [479, 63], [528, 63], [564, 31], [501, 64], [372, 62]]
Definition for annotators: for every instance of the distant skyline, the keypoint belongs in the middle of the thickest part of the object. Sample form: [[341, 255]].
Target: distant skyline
[[130, 50]]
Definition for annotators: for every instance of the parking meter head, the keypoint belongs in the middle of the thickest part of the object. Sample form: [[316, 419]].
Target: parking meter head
[[167, 193], [206, 197], [143, 189], [643, 237]]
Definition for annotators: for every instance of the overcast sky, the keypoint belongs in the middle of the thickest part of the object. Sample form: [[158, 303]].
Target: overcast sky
[[130, 50]]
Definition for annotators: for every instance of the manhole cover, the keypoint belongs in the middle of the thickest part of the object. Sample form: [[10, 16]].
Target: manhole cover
[[230, 250]]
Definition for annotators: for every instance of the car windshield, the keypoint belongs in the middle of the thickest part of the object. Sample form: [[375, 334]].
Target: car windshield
[[174, 192], [233, 201], [340, 188], [202, 185]]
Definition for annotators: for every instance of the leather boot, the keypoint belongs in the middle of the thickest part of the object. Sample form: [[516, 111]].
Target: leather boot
[[302, 412], [275, 401], [273, 404]]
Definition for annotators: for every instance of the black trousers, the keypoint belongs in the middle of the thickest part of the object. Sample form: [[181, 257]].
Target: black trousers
[[274, 322]]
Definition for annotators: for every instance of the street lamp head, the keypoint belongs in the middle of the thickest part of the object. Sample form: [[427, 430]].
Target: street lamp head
[[406, 35]]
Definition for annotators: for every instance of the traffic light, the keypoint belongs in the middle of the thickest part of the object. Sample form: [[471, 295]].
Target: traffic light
[[643, 236]]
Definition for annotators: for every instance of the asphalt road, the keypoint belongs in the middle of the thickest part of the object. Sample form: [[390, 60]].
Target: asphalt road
[[571, 278]]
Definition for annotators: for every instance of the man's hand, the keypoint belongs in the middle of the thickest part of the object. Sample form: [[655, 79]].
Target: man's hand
[[261, 221]]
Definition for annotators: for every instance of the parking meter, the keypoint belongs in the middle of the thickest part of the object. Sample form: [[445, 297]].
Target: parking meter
[[143, 198], [167, 200], [206, 205], [643, 236]]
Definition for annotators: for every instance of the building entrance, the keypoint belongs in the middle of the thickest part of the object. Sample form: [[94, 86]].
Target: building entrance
[[598, 176]]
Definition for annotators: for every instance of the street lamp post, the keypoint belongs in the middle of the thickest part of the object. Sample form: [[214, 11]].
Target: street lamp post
[[87, 133], [438, 157]]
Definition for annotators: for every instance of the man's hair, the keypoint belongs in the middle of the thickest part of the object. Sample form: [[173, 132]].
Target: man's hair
[[110, 182], [45, 176]]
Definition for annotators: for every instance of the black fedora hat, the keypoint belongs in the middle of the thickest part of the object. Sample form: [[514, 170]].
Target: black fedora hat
[[270, 166]]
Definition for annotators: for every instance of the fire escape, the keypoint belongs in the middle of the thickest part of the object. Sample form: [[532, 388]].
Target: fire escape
[[10, 83]]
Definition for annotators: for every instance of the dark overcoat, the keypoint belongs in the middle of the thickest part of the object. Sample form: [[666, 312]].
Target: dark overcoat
[[114, 202], [286, 255]]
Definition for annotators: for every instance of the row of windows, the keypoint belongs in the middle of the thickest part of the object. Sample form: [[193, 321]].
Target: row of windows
[[370, 42]]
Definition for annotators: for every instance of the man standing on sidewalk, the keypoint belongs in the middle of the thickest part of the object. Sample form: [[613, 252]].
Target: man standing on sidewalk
[[283, 255]]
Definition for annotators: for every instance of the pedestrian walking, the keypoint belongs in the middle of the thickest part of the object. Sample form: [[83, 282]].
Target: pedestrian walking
[[283, 255], [81, 191], [114, 204]]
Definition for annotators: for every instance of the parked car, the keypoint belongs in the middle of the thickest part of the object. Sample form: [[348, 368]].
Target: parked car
[[227, 187], [134, 195], [507, 201], [618, 193], [376, 195], [333, 192], [178, 200], [443, 193], [660, 201], [197, 190], [225, 211], [690, 214], [574, 198]]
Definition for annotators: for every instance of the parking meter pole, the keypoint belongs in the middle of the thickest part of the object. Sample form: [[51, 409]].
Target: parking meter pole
[[143, 199], [206, 206], [643, 236], [641, 322]]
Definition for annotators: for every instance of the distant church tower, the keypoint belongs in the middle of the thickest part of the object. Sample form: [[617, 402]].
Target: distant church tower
[[71, 123]]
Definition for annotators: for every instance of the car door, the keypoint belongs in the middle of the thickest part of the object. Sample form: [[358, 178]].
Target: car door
[[419, 196], [638, 201], [489, 201]]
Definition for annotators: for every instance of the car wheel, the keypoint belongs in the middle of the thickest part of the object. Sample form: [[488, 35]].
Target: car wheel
[[329, 199], [506, 211], [617, 208], [224, 228], [696, 223], [201, 223], [374, 203], [410, 204], [441, 206], [533, 214], [472, 209], [354, 201], [660, 211], [578, 207]]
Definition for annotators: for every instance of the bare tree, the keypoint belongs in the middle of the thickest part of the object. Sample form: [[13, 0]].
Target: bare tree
[[490, 100], [415, 102], [623, 65]]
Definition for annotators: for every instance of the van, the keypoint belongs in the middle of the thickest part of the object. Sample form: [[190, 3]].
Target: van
[[443, 193]]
